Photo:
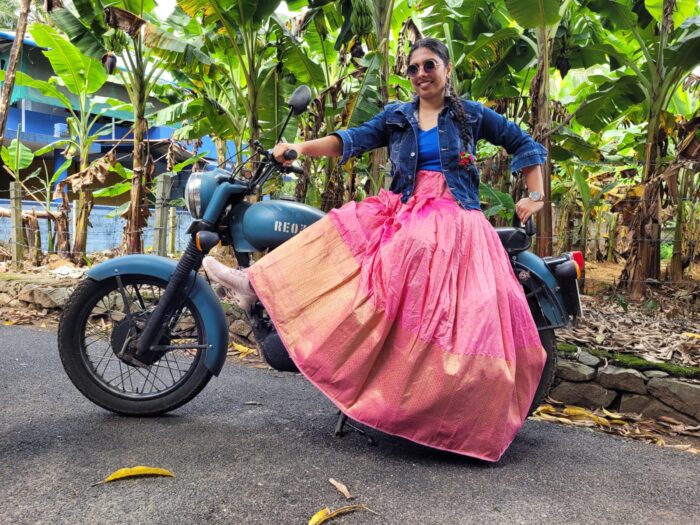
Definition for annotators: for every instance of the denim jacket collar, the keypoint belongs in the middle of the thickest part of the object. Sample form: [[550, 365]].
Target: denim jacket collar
[[410, 109]]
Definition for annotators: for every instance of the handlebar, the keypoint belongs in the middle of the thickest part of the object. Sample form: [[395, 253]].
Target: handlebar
[[290, 154], [529, 226]]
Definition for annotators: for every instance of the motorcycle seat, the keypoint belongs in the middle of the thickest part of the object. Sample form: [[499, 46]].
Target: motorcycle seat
[[514, 240]]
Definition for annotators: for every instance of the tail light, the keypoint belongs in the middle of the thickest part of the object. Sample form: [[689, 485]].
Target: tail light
[[577, 257]]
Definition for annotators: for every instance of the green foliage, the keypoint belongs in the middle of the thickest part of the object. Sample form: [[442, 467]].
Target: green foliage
[[235, 63], [666, 251], [17, 156], [498, 203], [534, 13], [682, 10], [78, 72]]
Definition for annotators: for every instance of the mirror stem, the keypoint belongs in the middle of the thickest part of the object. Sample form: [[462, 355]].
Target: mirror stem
[[284, 126]]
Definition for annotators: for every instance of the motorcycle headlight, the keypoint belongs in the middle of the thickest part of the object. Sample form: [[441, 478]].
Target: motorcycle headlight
[[193, 195]]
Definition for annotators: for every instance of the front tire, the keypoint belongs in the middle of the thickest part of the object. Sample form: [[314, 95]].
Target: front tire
[[95, 317]]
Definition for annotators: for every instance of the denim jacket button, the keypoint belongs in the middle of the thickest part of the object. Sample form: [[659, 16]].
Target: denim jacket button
[[413, 154]]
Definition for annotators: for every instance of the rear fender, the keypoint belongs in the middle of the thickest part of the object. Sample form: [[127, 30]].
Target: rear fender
[[200, 293], [541, 285]]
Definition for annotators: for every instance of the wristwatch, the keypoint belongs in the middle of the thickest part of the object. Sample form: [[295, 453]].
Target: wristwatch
[[536, 196]]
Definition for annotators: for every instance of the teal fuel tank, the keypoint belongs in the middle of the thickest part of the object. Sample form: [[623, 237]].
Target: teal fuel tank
[[265, 225]]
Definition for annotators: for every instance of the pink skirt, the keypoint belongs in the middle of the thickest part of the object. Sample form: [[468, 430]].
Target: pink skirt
[[409, 318]]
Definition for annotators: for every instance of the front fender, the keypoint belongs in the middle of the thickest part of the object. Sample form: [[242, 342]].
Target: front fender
[[201, 295]]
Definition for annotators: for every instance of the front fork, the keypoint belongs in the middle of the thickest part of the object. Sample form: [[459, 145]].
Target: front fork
[[177, 290]]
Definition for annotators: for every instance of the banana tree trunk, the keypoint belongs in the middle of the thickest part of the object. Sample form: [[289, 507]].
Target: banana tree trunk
[[675, 270], [645, 256], [378, 158], [302, 186], [62, 229], [11, 70], [136, 216], [541, 125], [333, 195], [221, 152], [612, 237], [85, 201]]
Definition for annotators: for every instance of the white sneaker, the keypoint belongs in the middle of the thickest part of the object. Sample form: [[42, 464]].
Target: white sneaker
[[234, 280]]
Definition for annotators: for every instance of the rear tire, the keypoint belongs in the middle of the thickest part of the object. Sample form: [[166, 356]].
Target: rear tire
[[549, 342], [94, 311]]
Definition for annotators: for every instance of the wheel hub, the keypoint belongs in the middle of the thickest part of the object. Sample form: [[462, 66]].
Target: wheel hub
[[125, 336]]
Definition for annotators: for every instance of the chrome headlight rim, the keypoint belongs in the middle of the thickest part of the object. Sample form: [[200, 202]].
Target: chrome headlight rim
[[193, 195]]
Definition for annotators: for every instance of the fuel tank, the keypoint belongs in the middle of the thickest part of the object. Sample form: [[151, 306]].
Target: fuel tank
[[267, 224]]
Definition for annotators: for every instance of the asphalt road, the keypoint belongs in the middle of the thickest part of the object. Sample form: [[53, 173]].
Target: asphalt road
[[270, 463]]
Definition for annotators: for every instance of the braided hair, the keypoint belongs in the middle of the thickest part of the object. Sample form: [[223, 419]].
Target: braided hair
[[451, 98]]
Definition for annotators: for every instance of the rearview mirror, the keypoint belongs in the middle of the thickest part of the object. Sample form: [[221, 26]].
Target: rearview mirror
[[300, 99]]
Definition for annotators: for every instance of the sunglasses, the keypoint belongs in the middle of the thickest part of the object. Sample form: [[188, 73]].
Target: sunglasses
[[428, 66]]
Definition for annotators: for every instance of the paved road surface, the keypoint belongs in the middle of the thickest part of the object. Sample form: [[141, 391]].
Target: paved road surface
[[270, 463]]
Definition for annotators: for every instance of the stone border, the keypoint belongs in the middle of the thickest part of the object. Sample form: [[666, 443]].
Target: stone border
[[36, 291], [593, 383]]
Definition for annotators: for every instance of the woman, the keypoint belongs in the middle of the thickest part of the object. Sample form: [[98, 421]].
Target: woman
[[403, 308]]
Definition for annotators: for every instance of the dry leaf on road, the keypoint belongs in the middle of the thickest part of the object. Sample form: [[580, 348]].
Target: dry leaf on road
[[136, 471], [324, 515], [341, 488]]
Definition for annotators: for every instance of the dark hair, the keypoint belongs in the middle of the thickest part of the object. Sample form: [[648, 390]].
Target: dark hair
[[438, 48]]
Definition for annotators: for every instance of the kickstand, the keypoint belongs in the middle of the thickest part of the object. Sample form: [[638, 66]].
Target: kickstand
[[343, 422]]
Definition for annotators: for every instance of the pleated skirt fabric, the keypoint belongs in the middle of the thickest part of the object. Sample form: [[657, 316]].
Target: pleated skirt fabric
[[408, 316]]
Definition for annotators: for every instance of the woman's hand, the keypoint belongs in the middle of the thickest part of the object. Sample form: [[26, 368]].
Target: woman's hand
[[525, 208], [279, 149]]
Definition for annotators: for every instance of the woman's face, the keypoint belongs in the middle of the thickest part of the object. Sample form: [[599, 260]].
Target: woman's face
[[431, 73]]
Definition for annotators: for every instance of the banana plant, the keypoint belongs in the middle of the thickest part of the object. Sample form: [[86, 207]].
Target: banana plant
[[104, 28], [244, 26], [326, 55], [591, 199], [651, 47], [18, 157], [78, 77]]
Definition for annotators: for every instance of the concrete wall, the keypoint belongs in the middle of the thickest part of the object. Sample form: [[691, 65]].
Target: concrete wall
[[105, 233]]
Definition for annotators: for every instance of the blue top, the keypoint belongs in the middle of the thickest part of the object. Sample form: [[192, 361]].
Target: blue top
[[397, 128], [428, 150]]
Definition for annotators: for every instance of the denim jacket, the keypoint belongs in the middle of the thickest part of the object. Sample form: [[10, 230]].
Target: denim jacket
[[397, 128]]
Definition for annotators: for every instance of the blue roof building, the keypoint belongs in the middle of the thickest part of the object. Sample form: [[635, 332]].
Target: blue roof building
[[42, 119]]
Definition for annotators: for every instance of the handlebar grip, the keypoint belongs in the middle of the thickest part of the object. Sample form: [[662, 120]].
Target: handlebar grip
[[290, 154], [529, 226]]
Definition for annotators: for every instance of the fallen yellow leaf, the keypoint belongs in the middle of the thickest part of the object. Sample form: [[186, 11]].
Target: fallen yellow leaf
[[9, 323], [320, 516], [136, 471], [341, 488], [618, 422], [690, 334], [577, 411], [546, 409], [326, 514], [612, 415], [601, 421], [243, 351]]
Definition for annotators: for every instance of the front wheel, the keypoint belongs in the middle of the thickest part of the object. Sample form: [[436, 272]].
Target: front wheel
[[98, 321]]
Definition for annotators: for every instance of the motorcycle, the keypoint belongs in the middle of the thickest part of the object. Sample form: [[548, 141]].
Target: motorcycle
[[142, 335]]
